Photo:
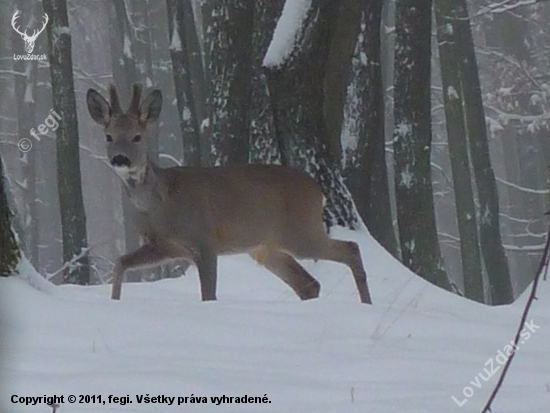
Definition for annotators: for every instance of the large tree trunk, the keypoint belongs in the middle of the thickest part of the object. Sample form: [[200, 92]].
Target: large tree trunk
[[368, 180], [263, 141], [413, 142], [9, 253], [296, 88], [494, 257], [228, 37], [445, 13], [73, 215]]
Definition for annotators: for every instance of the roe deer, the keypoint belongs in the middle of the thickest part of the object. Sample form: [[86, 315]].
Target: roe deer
[[270, 212]]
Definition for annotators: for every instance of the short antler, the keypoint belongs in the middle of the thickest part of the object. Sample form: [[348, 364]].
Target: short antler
[[113, 97], [136, 98]]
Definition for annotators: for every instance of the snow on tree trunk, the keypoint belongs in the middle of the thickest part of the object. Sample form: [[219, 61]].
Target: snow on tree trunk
[[295, 66], [228, 33], [179, 52], [445, 12], [412, 142], [367, 172], [9, 253], [73, 215], [492, 251], [264, 147]]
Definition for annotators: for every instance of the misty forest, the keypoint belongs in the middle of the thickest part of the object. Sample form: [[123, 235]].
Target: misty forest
[[437, 129], [427, 122]]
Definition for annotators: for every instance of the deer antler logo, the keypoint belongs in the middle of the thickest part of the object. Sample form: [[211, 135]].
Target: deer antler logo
[[29, 40]]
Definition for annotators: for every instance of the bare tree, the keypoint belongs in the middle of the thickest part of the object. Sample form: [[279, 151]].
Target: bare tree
[[368, 173], [73, 215], [9, 253], [297, 94], [263, 142], [25, 94], [413, 142], [179, 52], [492, 251], [228, 36], [449, 54]]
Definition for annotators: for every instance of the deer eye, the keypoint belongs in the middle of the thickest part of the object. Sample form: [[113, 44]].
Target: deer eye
[[137, 138], [109, 138]]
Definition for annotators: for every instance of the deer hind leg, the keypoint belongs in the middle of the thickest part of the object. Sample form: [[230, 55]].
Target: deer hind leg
[[345, 252], [348, 253], [288, 270], [145, 256]]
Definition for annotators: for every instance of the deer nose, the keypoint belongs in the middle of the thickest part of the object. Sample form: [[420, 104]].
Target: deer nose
[[120, 160]]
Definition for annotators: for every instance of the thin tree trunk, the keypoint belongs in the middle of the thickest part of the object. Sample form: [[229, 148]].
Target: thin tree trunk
[[179, 53], [25, 89], [9, 253], [413, 142], [125, 73], [199, 85], [73, 215], [445, 13], [368, 181], [494, 257]]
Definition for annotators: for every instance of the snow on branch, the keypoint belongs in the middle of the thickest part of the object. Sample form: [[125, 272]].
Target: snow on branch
[[287, 32], [522, 188]]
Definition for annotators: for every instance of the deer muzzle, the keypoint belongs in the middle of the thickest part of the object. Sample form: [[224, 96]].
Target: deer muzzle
[[120, 161]]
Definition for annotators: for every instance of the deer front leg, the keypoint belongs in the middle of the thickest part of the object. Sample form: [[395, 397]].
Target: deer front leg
[[145, 256], [207, 264]]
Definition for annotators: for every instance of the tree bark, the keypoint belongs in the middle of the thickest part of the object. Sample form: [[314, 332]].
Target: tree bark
[[296, 90], [412, 142], [264, 147], [179, 52], [9, 253], [124, 67], [25, 90], [492, 251], [73, 215], [227, 41], [368, 180], [447, 31]]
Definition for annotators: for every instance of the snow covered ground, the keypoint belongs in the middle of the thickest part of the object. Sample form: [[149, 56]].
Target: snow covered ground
[[412, 351]]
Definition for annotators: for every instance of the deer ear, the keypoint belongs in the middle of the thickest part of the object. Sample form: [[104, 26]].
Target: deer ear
[[99, 108], [149, 111]]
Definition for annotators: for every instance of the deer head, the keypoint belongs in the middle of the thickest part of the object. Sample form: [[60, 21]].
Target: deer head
[[126, 133], [29, 40]]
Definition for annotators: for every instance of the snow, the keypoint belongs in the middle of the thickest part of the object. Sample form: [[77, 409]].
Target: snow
[[452, 93], [412, 351], [287, 32], [175, 42], [127, 47]]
